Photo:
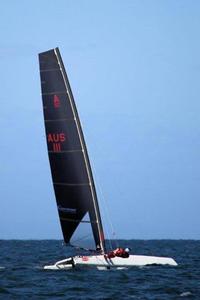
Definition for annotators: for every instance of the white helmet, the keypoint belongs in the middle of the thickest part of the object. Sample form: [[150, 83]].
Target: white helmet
[[127, 249]]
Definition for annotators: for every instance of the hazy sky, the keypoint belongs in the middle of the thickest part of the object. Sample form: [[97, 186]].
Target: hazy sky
[[134, 68]]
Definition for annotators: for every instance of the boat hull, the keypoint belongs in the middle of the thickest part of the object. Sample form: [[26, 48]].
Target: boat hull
[[116, 262]]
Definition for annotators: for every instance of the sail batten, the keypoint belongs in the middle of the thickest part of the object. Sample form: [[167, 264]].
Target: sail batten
[[66, 151], [54, 93], [71, 184], [60, 120], [77, 221], [70, 167], [49, 70]]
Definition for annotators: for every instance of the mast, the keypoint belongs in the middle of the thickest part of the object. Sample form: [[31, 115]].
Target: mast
[[65, 139]]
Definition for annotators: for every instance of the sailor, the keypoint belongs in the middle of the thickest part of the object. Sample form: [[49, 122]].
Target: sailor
[[119, 252], [110, 254], [126, 252]]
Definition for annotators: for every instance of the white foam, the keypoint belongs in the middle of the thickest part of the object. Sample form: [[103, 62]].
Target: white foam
[[185, 294]]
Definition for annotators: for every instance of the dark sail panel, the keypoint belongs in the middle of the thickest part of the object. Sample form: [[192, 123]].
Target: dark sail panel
[[58, 102], [67, 175], [70, 168]]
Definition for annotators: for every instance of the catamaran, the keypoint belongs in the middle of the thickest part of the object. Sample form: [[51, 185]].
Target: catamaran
[[71, 171]]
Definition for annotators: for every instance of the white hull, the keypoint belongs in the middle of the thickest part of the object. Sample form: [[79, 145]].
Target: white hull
[[101, 262]]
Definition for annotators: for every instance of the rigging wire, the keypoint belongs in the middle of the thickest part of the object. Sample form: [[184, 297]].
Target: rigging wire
[[82, 238], [77, 247], [105, 206], [107, 214]]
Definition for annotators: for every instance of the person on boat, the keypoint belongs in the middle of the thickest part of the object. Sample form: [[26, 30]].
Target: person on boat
[[126, 252], [110, 254], [119, 252]]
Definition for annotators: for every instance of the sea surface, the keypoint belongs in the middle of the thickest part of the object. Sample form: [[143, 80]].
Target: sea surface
[[22, 275]]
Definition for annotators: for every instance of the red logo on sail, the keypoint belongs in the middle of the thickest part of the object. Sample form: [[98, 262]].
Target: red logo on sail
[[56, 139], [56, 101], [56, 147]]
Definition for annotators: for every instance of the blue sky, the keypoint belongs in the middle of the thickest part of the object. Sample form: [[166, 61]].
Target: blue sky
[[134, 70]]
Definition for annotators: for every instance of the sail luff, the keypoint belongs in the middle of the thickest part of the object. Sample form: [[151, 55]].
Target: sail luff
[[84, 149]]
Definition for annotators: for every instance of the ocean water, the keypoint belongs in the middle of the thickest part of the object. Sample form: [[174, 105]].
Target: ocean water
[[22, 276]]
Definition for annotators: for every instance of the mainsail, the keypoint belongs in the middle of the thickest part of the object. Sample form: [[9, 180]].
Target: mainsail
[[70, 167]]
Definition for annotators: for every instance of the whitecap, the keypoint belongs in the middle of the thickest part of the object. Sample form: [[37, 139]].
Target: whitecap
[[185, 294]]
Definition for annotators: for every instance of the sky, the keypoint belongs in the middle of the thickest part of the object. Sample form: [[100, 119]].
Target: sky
[[134, 69]]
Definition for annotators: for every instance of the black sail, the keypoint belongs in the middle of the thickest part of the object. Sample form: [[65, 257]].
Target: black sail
[[70, 167]]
